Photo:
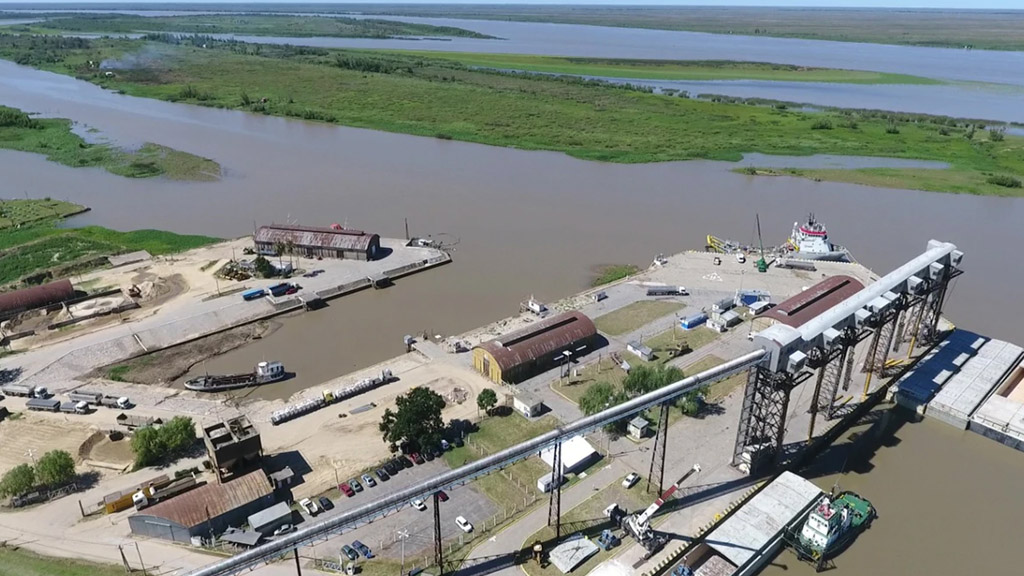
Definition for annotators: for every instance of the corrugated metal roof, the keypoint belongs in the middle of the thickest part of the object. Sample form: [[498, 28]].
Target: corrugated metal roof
[[797, 310], [210, 501], [37, 296], [270, 515], [761, 518], [342, 239], [542, 338]]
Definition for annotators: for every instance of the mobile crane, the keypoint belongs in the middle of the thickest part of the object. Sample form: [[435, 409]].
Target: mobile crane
[[638, 525]]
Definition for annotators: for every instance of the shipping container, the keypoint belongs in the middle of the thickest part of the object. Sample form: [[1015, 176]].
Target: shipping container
[[692, 322]]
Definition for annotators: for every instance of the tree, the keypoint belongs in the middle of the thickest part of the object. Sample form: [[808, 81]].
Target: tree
[[151, 445], [55, 468], [263, 267], [646, 378], [692, 402], [417, 420], [279, 250], [178, 435], [486, 400], [599, 396], [147, 444], [17, 480]]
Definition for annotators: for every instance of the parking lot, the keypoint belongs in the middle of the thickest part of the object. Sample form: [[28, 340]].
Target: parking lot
[[382, 534]]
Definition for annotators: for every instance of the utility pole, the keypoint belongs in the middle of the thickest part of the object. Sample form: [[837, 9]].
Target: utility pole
[[403, 535], [139, 552]]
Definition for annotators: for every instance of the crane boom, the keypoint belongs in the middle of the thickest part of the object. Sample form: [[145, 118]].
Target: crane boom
[[651, 510]]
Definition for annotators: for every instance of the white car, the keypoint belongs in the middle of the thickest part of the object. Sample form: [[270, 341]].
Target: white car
[[630, 480], [464, 524], [419, 505], [309, 506]]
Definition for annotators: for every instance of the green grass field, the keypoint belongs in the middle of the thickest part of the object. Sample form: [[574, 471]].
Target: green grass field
[[43, 251], [18, 562], [667, 343], [19, 212], [612, 272], [635, 315], [668, 69], [722, 388], [444, 99], [53, 138], [251, 24], [497, 433]]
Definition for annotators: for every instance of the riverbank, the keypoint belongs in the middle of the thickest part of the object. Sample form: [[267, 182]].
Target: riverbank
[[983, 29], [249, 24], [37, 250], [443, 99], [667, 69], [54, 138]]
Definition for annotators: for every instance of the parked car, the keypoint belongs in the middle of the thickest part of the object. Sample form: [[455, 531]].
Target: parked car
[[463, 524], [355, 485], [349, 552], [363, 549], [390, 467], [346, 490], [415, 457], [368, 480], [458, 441], [382, 474], [427, 455], [309, 506], [325, 503], [403, 462], [630, 480], [442, 496], [445, 445], [436, 451], [419, 505], [284, 529]]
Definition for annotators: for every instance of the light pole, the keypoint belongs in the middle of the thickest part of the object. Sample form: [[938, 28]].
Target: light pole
[[403, 535]]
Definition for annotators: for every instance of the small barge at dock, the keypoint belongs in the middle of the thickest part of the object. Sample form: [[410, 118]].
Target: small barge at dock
[[264, 373]]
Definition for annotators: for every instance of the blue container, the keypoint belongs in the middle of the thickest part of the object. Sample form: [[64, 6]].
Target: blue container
[[253, 294], [693, 321]]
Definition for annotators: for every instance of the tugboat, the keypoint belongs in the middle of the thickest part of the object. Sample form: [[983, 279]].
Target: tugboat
[[265, 373], [832, 525], [810, 242]]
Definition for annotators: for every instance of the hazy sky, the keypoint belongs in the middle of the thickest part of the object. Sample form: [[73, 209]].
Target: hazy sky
[[973, 4]]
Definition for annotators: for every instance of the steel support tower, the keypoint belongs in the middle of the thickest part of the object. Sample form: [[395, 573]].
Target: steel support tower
[[657, 470], [555, 502], [763, 418], [438, 545]]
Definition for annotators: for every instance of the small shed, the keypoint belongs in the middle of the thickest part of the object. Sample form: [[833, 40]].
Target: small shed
[[577, 454], [269, 519], [282, 478], [638, 427], [644, 352], [723, 305], [527, 404], [731, 318], [691, 322]]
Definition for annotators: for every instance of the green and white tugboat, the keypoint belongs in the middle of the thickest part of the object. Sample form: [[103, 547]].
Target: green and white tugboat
[[832, 525]]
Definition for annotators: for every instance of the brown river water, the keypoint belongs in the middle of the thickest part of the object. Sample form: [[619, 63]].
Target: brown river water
[[526, 222], [949, 503]]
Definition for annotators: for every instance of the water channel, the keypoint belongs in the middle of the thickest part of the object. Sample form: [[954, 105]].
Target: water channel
[[528, 222]]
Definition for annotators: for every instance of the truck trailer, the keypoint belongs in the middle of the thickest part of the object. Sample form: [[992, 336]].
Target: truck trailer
[[24, 391], [74, 407], [43, 404], [99, 399]]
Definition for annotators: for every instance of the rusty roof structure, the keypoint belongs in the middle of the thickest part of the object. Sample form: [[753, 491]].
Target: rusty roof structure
[[800, 308], [212, 500], [36, 296], [544, 337], [338, 238]]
